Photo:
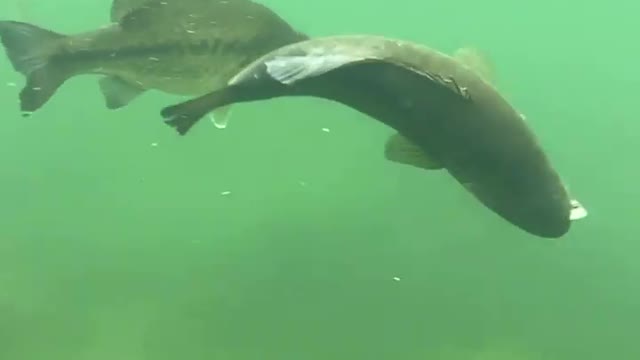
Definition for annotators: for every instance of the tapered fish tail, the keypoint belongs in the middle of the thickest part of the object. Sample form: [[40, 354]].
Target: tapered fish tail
[[185, 115], [30, 48]]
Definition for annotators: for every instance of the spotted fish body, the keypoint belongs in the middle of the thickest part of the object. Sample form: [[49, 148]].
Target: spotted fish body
[[184, 47], [188, 63]]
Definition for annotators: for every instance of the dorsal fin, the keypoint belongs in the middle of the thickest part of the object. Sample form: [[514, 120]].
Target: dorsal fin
[[120, 8], [150, 13], [476, 61]]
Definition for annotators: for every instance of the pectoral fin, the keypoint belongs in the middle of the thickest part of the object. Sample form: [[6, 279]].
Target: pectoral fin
[[220, 117], [118, 92], [400, 150]]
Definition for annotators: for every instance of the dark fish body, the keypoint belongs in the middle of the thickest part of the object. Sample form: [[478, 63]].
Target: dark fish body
[[184, 47], [453, 117]]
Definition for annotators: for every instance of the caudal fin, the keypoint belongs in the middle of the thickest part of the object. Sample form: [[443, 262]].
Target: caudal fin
[[29, 48], [184, 115]]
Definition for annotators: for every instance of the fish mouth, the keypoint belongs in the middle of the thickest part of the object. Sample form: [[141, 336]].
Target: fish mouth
[[578, 212], [555, 226], [536, 213], [552, 221]]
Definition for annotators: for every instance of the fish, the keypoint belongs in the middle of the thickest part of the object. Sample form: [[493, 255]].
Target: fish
[[446, 116], [181, 47]]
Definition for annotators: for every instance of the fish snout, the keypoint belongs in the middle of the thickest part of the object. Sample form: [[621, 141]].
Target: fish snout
[[545, 217]]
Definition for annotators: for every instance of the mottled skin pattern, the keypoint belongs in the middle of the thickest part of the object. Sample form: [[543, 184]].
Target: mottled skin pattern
[[438, 104], [186, 47]]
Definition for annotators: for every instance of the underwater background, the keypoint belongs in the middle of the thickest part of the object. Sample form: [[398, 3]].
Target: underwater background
[[289, 236]]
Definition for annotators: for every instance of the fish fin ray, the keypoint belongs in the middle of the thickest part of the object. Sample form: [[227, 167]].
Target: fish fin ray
[[27, 46], [118, 92], [120, 8], [142, 17], [401, 150], [29, 49]]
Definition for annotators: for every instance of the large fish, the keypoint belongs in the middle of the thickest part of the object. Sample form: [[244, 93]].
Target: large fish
[[183, 47], [447, 116]]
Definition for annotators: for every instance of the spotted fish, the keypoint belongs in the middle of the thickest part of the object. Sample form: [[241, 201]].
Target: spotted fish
[[183, 47]]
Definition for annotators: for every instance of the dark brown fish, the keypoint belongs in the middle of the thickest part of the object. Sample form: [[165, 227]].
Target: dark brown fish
[[447, 117], [184, 47]]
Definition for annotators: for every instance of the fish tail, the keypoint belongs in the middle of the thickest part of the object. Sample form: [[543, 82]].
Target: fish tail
[[30, 48], [184, 115]]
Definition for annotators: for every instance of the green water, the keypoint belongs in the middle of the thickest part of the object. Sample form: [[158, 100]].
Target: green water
[[117, 243]]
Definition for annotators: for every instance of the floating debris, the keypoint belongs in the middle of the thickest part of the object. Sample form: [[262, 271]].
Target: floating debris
[[326, 129], [225, 193], [395, 278]]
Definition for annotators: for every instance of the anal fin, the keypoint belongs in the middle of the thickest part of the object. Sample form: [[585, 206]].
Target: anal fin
[[118, 92], [401, 150]]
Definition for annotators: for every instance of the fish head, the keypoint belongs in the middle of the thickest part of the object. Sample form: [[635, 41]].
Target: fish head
[[540, 205], [488, 147]]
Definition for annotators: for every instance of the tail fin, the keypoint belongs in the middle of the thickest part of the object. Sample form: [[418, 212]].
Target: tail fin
[[29, 49], [184, 115]]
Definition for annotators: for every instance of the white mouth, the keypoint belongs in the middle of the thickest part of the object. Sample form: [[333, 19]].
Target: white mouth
[[577, 211]]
